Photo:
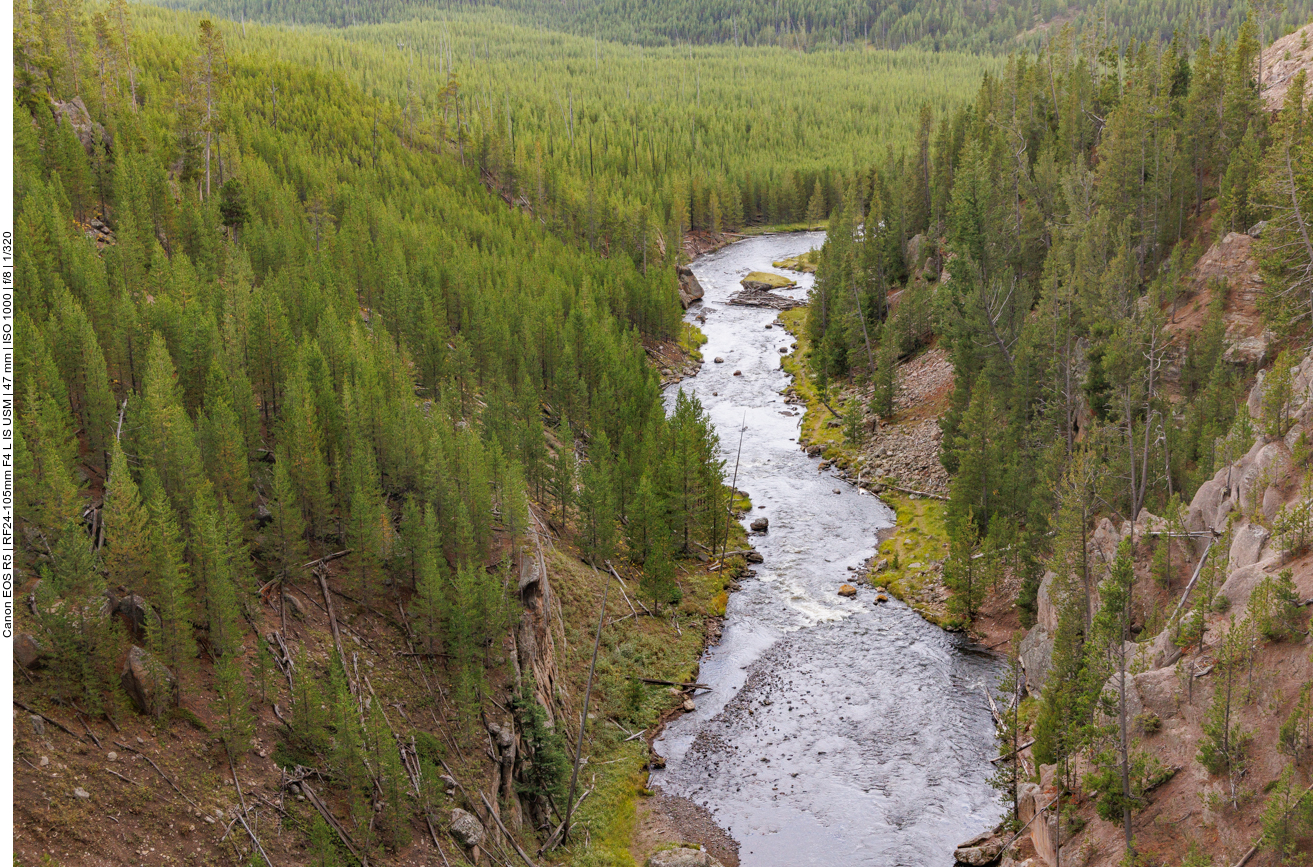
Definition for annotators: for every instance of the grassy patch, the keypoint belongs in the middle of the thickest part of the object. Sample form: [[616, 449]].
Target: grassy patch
[[781, 229], [775, 281], [804, 262], [691, 340], [666, 646], [912, 553], [816, 429]]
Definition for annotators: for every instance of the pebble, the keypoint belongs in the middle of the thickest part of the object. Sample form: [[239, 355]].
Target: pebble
[[45, 761], [112, 756], [81, 793]]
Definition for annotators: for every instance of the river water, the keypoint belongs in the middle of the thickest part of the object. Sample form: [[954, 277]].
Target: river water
[[837, 731]]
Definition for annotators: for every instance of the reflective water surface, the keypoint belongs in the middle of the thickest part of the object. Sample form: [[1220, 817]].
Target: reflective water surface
[[837, 731]]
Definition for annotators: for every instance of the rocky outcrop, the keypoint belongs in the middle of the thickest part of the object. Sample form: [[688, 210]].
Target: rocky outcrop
[[1247, 546], [136, 615], [690, 290], [148, 682], [1159, 691], [1241, 583], [981, 849], [1282, 60], [28, 652], [1036, 654], [89, 133], [466, 828]]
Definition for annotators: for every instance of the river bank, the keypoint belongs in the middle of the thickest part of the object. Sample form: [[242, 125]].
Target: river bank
[[897, 458]]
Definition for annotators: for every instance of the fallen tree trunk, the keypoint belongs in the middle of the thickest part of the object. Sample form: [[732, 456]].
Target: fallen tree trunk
[[673, 683]]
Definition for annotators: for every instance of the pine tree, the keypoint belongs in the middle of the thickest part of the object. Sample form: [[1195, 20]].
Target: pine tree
[[127, 543], [564, 472], [816, 210], [658, 581], [430, 601], [171, 587], [285, 538]]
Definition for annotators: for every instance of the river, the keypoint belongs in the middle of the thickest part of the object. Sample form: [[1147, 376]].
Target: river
[[837, 731]]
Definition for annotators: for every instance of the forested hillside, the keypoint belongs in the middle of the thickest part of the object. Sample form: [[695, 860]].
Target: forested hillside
[[627, 148], [272, 341], [970, 25], [1056, 239]]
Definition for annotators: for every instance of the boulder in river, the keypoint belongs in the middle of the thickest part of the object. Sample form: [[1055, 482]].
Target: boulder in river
[[738, 373], [760, 525], [719, 360], [848, 591], [754, 557]]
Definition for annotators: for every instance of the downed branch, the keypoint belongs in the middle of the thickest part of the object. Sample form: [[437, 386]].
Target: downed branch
[[672, 683], [333, 823], [327, 558], [160, 772], [54, 722]]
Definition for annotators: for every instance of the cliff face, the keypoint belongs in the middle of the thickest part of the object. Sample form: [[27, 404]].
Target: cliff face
[[1236, 536], [1282, 60]]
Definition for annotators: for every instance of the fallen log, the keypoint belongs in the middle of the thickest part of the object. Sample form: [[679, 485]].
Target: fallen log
[[54, 722], [1013, 753], [912, 491], [158, 771], [332, 822], [673, 683], [327, 558]]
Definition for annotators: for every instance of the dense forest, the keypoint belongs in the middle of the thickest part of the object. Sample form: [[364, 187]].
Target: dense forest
[[1043, 236], [933, 25], [628, 148], [382, 290], [256, 333]]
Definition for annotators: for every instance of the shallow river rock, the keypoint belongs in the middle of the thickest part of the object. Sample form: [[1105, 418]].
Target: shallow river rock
[[760, 525], [848, 591], [682, 857]]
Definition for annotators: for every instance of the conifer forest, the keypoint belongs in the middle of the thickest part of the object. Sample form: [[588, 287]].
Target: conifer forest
[[525, 433]]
